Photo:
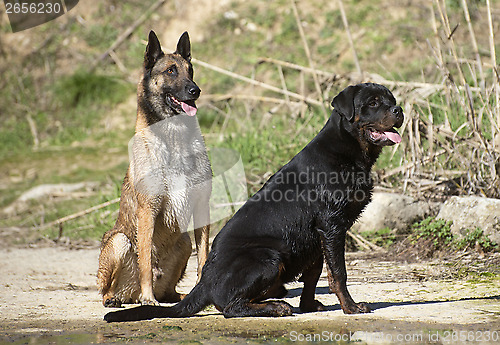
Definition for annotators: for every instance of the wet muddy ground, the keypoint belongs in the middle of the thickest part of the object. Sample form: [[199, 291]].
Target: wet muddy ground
[[49, 295]]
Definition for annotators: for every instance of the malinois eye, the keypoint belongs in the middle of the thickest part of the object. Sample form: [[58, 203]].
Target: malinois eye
[[171, 70]]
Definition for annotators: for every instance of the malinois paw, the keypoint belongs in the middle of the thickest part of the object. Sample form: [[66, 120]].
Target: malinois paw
[[150, 302]]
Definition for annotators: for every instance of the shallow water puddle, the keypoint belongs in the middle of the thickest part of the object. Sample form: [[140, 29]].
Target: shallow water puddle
[[272, 333]]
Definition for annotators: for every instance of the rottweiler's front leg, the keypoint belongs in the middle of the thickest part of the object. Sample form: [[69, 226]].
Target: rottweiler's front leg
[[333, 243], [310, 278]]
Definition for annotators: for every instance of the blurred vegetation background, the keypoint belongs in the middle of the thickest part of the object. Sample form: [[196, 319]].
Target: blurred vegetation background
[[267, 70]]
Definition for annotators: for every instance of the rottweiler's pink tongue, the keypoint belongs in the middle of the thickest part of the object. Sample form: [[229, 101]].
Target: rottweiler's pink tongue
[[393, 136], [188, 109]]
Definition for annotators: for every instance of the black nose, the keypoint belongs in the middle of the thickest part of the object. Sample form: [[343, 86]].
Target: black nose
[[397, 111], [194, 91]]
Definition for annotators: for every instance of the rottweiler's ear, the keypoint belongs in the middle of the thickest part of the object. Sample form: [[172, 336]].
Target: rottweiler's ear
[[184, 47], [343, 103], [153, 51]]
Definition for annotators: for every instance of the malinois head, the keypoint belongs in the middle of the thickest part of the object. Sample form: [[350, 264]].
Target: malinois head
[[167, 87]]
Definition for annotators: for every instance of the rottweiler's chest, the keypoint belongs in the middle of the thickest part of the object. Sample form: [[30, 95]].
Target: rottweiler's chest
[[360, 196], [346, 194]]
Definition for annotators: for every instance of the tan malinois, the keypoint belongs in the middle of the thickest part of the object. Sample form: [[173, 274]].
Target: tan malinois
[[167, 184]]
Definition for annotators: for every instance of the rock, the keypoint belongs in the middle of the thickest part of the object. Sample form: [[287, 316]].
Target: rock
[[44, 191], [471, 212], [395, 211]]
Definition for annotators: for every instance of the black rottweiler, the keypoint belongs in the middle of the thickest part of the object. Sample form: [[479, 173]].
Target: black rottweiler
[[298, 217]]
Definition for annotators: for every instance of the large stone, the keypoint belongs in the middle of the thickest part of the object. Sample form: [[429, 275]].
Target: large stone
[[44, 191], [469, 213], [394, 211]]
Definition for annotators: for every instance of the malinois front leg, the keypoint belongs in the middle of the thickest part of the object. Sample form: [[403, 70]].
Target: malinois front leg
[[145, 228]]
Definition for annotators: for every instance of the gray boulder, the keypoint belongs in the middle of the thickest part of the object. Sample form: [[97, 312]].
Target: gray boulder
[[395, 211], [471, 212]]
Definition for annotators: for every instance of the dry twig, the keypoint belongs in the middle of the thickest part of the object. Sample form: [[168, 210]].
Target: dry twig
[[256, 82], [349, 37], [309, 58], [79, 214], [125, 34]]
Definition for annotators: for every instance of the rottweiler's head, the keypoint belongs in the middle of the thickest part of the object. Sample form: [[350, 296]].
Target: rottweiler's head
[[373, 113]]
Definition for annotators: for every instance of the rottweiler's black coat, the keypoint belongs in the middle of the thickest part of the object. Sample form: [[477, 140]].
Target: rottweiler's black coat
[[299, 217]]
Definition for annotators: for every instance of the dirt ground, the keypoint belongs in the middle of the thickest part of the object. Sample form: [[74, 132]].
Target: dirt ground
[[48, 295]]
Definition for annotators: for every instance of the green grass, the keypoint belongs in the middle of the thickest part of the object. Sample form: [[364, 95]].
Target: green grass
[[15, 137], [476, 237], [75, 107], [78, 103], [383, 237], [265, 145], [100, 36], [439, 232], [46, 210], [91, 226], [82, 100], [83, 89]]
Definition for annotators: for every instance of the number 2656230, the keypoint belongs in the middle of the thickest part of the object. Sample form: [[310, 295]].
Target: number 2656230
[[27, 8]]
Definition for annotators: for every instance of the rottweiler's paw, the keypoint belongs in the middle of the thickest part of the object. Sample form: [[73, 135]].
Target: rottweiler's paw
[[356, 308], [112, 302], [281, 308], [309, 307]]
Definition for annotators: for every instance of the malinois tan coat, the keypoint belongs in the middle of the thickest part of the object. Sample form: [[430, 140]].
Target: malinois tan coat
[[168, 182]]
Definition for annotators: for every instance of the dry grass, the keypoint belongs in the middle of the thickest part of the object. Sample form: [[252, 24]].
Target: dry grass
[[463, 147], [452, 127]]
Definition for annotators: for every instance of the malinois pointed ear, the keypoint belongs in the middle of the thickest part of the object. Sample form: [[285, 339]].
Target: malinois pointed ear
[[153, 51], [343, 103], [184, 47]]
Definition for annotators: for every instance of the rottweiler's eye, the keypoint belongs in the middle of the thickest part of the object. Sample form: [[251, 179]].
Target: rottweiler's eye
[[373, 103]]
